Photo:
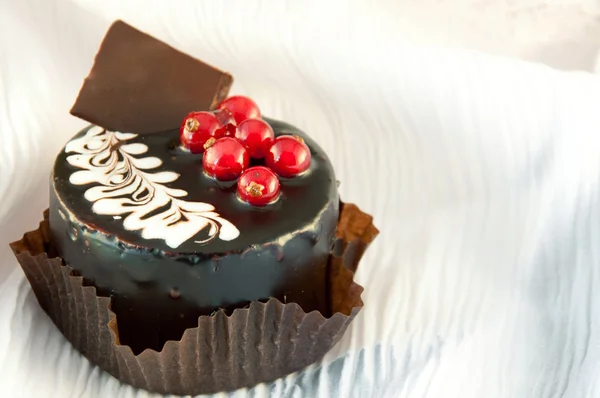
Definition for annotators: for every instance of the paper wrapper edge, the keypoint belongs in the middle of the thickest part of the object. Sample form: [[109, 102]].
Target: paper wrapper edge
[[257, 344]]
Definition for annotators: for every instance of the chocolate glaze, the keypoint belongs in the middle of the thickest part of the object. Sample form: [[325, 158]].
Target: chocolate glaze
[[157, 292]]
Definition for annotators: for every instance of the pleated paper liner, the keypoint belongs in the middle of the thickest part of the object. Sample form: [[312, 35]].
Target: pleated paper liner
[[257, 344]]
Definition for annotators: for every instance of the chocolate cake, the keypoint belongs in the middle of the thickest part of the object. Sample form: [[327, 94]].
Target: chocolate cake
[[138, 219], [191, 245], [138, 209]]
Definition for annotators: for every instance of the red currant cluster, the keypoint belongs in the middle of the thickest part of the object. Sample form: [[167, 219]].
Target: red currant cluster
[[233, 134]]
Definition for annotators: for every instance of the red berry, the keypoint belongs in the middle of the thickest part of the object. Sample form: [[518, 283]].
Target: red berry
[[256, 135], [196, 129], [258, 186], [226, 131], [226, 122], [288, 156], [241, 108], [225, 159]]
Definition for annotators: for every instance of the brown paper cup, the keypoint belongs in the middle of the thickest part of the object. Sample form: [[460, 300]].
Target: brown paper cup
[[257, 344]]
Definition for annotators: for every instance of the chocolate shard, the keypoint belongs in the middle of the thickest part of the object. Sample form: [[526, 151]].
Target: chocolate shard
[[140, 84]]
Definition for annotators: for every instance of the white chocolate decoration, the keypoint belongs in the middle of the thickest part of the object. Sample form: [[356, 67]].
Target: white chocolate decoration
[[124, 187]]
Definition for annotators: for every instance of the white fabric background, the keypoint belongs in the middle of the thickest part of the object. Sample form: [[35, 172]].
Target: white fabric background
[[483, 174]]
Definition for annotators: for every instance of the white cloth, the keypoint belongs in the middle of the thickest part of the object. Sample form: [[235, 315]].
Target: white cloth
[[482, 173]]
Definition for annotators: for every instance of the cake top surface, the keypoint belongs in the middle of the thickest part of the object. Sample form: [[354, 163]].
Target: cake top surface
[[168, 163], [146, 192]]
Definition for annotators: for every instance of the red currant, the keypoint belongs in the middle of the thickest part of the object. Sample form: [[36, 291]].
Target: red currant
[[256, 135], [241, 108], [196, 129], [288, 156], [226, 122], [225, 159], [258, 186]]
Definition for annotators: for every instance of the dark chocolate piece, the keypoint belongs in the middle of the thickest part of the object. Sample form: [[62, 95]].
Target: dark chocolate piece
[[282, 250], [140, 84]]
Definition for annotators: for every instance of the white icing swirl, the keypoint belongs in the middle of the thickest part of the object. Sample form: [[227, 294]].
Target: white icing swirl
[[125, 187]]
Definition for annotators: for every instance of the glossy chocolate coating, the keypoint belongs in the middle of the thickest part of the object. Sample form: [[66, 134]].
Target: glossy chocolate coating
[[157, 292]]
